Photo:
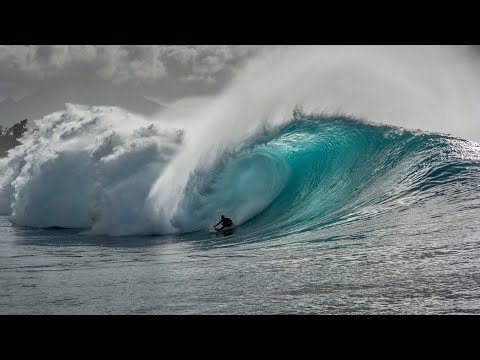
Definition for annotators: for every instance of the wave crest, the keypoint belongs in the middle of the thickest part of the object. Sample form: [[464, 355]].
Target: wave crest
[[101, 169]]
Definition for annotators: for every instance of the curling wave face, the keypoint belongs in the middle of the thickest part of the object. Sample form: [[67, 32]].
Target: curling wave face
[[93, 169]]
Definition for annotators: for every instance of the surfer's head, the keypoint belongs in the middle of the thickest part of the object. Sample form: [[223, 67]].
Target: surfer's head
[[223, 216]]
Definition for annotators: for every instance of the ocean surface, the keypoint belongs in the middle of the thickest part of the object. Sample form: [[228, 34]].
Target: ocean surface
[[334, 215]]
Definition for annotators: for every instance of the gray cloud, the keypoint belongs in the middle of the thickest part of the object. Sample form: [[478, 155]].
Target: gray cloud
[[125, 63], [44, 77]]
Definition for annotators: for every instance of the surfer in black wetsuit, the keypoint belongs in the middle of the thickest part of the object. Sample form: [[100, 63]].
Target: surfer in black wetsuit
[[226, 222]]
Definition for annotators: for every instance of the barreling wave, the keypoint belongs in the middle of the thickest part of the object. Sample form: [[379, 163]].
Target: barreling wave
[[96, 169], [321, 170]]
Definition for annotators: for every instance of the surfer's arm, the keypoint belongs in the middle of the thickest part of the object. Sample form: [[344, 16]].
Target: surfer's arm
[[218, 223]]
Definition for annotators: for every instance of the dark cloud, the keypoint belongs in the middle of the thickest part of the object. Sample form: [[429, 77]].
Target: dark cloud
[[121, 75], [124, 63]]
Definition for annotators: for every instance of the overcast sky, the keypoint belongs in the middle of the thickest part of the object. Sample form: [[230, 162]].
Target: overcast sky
[[43, 77]]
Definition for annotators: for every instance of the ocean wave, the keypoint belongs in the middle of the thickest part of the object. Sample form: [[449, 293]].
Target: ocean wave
[[98, 170]]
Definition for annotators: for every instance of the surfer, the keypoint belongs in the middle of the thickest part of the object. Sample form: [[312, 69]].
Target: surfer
[[226, 222]]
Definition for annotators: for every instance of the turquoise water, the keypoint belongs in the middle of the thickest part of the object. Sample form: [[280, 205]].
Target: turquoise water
[[338, 216]]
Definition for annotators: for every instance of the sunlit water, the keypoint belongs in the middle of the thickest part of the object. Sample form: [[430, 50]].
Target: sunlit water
[[334, 215], [416, 266]]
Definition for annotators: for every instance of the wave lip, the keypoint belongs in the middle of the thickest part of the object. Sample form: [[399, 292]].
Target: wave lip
[[321, 170]]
